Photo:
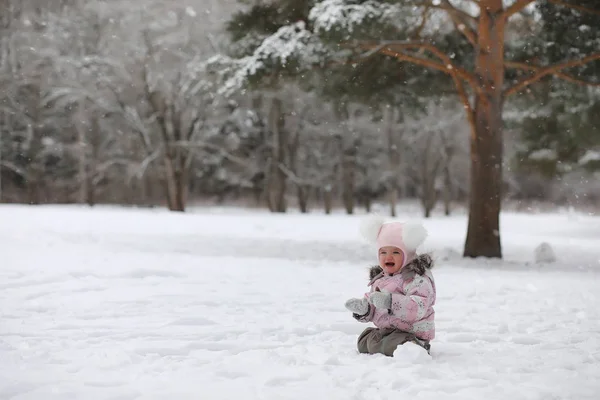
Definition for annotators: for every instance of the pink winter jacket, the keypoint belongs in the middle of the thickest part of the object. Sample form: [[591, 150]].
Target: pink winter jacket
[[413, 297]]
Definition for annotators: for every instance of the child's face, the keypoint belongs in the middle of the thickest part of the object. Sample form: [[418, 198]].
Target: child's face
[[390, 259]]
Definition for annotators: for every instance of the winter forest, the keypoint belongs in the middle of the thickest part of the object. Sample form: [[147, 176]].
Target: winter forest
[[311, 105]]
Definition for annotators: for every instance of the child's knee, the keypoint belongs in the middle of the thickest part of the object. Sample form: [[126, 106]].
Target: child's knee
[[395, 340], [364, 340]]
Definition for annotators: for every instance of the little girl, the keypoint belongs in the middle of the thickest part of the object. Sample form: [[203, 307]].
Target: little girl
[[400, 302]]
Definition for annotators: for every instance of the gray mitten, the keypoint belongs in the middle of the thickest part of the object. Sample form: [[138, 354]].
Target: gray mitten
[[358, 306], [381, 299]]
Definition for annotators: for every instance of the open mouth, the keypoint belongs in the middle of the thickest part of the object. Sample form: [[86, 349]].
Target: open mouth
[[390, 264]]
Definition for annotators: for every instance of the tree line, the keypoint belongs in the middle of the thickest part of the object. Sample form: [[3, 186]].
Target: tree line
[[297, 103]]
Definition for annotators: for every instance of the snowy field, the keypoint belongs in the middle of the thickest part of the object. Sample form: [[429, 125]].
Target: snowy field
[[218, 304]]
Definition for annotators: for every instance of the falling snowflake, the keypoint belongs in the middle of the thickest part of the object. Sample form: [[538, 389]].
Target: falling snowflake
[[190, 11]]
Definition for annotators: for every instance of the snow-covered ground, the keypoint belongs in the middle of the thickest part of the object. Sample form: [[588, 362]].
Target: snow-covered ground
[[114, 303]]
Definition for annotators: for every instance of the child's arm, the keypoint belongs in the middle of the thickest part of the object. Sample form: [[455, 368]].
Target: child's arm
[[409, 307], [413, 305]]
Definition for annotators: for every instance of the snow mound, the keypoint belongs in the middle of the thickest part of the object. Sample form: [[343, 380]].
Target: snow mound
[[411, 353], [544, 253]]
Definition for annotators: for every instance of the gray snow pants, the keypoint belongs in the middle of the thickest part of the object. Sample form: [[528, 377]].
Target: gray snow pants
[[385, 341]]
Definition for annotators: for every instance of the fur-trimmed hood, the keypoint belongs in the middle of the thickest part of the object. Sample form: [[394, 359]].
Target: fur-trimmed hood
[[417, 266]]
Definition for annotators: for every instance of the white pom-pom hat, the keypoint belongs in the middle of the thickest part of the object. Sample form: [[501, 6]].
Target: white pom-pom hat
[[407, 236]]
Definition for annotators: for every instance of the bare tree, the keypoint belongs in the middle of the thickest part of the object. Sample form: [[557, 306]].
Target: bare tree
[[434, 140]]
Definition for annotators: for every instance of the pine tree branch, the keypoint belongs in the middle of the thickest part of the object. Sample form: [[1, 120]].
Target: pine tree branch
[[461, 25], [575, 7], [465, 30], [415, 60], [549, 70], [561, 75], [424, 16], [462, 94], [446, 65], [516, 7], [453, 72]]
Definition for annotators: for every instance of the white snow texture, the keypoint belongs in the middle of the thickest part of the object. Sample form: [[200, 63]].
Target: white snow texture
[[222, 304]]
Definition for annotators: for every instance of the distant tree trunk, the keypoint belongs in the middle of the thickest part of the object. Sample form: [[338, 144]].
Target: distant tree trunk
[[302, 190], [34, 170], [87, 140], [182, 188], [176, 170], [428, 202], [429, 173], [149, 188], [4, 123], [428, 194], [393, 158], [393, 200], [327, 198], [483, 234], [171, 185], [348, 178], [302, 193], [277, 177], [448, 190], [368, 204], [449, 149], [177, 157], [93, 161], [83, 167], [257, 192], [176, 180], [6, 18]]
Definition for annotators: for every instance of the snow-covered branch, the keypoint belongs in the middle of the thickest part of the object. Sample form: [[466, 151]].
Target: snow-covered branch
[[290, 44], [346, 15]]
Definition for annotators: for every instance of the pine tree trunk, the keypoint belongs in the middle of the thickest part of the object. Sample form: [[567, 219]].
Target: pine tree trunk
[[483, 235]]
